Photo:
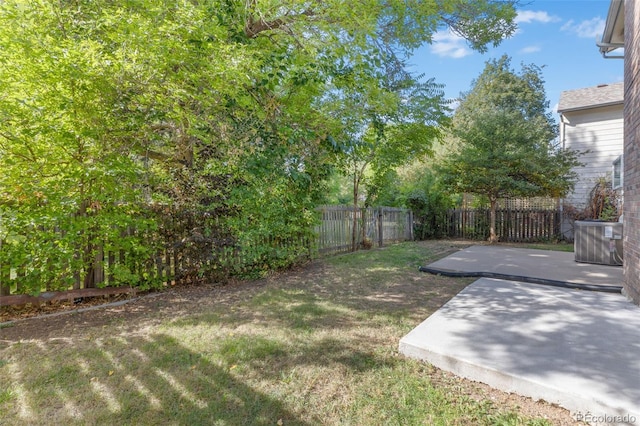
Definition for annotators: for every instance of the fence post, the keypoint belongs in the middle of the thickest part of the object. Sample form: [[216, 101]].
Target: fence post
[[5, 277], [380, 227], [5, 288], [98, 266], [411, 238]]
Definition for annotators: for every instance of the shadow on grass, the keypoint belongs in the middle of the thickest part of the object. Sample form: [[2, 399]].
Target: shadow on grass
[[256, 358], [157, 379], [137, 380], [292, 308], [336, 298], [165, 377]]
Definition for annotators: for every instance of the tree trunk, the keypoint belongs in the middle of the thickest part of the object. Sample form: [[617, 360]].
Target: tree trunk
[[492, 221]]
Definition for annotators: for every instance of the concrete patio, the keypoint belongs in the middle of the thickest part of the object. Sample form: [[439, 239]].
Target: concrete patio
[[541, 266], [578, 349]]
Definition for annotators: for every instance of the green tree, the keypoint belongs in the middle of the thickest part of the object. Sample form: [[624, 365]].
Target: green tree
[[65, 144], [407, 24], [113, 111], [381, 126], [508, 145], [306, 52]]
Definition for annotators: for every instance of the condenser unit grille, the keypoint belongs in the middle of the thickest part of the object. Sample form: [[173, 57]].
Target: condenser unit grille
[[598, 242]]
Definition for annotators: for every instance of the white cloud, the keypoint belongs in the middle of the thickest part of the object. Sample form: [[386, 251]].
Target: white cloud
[[586, 29], [529, 16], [447, 44], [454, 103], [530, 49]]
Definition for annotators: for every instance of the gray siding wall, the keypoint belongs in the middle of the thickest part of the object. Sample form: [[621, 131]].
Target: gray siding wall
[[600, 131]]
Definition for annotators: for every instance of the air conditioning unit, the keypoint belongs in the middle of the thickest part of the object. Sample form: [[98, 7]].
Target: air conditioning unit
[[598, 242]]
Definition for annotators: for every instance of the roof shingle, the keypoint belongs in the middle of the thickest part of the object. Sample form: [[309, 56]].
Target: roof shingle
[[591, 97]]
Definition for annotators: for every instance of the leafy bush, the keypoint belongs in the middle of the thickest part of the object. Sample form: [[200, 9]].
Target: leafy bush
[[430, 207], [40, 252]]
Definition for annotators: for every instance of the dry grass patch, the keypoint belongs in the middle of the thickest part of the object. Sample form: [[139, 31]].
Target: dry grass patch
[[317, 345]]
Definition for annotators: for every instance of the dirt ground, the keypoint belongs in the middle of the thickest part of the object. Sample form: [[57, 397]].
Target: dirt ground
[[64, 319]]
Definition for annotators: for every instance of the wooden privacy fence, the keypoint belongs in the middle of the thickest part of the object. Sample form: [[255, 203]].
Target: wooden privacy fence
[[183, 262], [374, 226], [512, 225], [89, 269], [95, 270]]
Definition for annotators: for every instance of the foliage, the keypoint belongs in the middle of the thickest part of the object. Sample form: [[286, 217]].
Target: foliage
[[430, 205], [383, 117], [123, 122], [45, 252], [429, 210], [603, 201], [506, 135], [338, 190], [382, 125], [602, 204], [69, 174]]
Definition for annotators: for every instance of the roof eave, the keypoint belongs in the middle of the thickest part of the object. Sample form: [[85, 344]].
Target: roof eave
[[585, 107], [613, 35]]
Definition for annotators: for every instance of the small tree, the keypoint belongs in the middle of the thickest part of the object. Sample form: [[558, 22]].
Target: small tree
[[382, 126], [506, 140]]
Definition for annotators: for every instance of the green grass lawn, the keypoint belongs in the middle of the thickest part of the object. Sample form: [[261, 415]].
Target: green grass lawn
[[552, 246], [316, 345]]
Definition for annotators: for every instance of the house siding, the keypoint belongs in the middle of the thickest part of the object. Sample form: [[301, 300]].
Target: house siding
[[632, 151], [600, 132]]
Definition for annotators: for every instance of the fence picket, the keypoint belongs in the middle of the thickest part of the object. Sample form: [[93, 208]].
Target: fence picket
[[512, 225], [333, 235], [380, 225]]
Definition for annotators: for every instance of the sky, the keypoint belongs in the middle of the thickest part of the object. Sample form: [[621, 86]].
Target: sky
[[558, 35]]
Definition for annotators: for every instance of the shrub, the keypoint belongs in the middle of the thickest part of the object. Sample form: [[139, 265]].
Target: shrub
[[430, 209]]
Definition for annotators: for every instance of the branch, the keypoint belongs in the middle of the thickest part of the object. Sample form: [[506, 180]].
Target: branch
[[254, 27], [9, 137]]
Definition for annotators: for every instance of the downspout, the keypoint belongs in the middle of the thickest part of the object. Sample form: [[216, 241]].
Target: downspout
[[563, 139], [563, 136]]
